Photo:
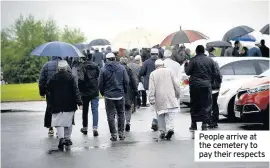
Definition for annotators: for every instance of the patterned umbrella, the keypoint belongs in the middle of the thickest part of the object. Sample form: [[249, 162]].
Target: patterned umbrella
[[182, 36], [237, 32], [99, 42], [265, 29]]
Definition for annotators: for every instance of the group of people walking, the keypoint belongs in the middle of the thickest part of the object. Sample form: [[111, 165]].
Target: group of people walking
[[122, 84]]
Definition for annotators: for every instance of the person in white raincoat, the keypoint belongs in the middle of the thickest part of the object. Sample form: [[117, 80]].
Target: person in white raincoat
[[164, 100]]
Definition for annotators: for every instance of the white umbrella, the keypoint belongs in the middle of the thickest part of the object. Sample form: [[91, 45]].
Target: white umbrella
[[136, 38]]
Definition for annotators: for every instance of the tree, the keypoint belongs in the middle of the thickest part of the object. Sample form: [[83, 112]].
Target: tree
[[72, 36], [21, 38]]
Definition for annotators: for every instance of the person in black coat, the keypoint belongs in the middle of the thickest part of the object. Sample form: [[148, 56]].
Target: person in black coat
[[88, 74], [64, 99], [132, 92], [201, 70], [264, 49]]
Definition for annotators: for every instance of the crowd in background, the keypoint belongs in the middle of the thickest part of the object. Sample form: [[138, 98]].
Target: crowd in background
[[126, 80]]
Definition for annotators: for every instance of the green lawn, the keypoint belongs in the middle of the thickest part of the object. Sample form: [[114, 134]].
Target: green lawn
[[20, 92]]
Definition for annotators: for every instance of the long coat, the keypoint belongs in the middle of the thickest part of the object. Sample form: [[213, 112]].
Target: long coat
[[163, 98]]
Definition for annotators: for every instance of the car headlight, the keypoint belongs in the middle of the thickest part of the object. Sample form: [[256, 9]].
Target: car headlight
[[258, 89], [225, 91]]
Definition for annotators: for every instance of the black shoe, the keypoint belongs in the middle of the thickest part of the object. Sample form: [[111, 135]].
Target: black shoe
[[154, 127], [84, 131], [204, 127], [68, 142], [95, 133], [61, 144], [162, 135], [145, 105], [169, 134], [122, 137], [51, 132], [127, 127], [113, 138]]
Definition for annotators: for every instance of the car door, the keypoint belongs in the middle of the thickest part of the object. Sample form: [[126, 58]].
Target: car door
[[239, 70], [263, 65], [245, 69], [227, 72]]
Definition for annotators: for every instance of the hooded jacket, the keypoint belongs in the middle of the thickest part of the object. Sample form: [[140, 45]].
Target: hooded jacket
[[147, 68], [88, 74], [47, 71], [113, 80]]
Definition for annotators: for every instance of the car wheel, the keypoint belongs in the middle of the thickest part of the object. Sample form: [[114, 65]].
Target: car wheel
[[231, 114], [187, 104], [266, 119]]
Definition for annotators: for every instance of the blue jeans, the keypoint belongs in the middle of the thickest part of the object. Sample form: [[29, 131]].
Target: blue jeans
[[94, 108]]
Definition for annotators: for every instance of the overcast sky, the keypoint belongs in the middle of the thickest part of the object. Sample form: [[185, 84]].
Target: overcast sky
[[105, 19]]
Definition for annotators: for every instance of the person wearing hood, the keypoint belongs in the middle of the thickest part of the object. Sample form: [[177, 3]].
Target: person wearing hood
[[64, 99], [255, 51], [47, 71], [165, 101], [88, 73], [113, 83], [98, 58], [201, 70], [147, 68], [132, 91], [172, 65]]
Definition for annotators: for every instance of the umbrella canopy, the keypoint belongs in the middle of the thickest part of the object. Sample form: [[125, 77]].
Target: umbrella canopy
[[265, 29], [218, 44], [136, 38], [246, 37], [99, 42], [237, 32], [57, 48], [182, 36], [80, 46]]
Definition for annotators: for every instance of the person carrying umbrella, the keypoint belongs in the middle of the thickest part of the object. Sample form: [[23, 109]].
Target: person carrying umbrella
[[236, 48], [48, 70], [98, 58], [64, 99]]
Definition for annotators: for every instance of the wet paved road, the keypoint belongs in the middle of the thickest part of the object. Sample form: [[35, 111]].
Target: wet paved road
[[25, 143]]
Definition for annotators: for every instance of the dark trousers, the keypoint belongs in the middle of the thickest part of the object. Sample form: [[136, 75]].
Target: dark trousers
[[201, 104], [94, 108], [215, 109], [48, 114], [113, 108], [144, 97]]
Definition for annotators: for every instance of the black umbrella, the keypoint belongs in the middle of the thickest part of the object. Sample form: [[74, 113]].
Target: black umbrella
[[237, 32], [218, 44], [99, 42], [265, 29]]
